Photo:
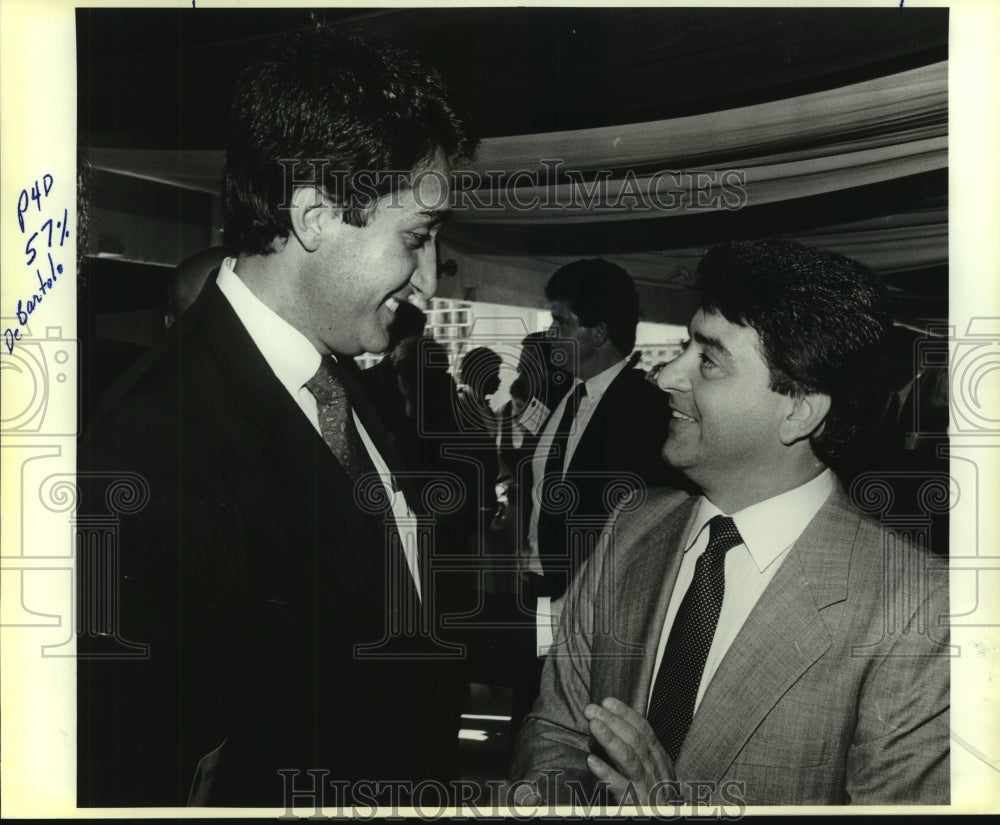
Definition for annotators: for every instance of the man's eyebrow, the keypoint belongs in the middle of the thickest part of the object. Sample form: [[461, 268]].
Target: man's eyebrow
[[435, 216], [713, 342]]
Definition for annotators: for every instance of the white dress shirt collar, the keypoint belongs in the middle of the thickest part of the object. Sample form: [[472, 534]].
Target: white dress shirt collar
[[598, 384], [287, 351], [769, 527], [294, 361]]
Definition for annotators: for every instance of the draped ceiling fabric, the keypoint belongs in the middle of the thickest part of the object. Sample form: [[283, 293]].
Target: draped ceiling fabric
[[783, 151], [858, 166]]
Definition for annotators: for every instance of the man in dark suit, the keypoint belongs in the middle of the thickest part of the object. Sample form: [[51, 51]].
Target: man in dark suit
[[600, 443], [269, 562], [763, 643]]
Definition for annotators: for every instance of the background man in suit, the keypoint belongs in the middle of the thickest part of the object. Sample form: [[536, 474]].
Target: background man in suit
[[268, 569], [477, 423], [750, 658], [602, 438], [381, 382]]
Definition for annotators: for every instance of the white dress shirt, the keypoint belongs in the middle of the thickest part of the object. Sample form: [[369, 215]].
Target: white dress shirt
[[547, 611], [768, 529], [294, 362]]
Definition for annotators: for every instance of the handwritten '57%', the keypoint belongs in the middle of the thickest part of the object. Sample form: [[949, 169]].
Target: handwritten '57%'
[[33, 204]]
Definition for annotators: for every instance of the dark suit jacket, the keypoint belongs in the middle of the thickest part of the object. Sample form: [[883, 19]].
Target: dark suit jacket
[[835, 690], [619, 451], [266, 594], [515, 468]]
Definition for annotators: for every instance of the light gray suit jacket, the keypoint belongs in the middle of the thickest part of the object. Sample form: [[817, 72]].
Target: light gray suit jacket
[[835, 691]]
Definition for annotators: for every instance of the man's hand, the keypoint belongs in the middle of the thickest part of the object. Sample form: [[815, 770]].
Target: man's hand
[[639, 758]]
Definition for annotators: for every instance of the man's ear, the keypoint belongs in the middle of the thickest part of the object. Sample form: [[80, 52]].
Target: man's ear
[[310, 213], [806, 416], [599, 332]]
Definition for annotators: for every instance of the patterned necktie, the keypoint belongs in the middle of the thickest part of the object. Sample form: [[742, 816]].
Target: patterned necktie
[[671, 707], [551, 525], [336, 421]]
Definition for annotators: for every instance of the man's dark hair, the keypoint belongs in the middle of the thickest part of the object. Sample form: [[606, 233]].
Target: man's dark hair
[[479, 366], [597, 290], [824, 323], [519, 389], [334, 108]]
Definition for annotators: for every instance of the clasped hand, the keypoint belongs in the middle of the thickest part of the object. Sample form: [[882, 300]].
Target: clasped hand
[[642, 772]]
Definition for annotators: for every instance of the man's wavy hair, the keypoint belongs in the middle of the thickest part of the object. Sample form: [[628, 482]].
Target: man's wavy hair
[[333, 106], [824, 323]]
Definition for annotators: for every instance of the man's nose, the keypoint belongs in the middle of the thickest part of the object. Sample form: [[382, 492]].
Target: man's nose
[[672, 376], [425, 277]]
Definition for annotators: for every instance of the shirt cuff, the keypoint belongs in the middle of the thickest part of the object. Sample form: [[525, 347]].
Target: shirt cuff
[[547, 613], [543, 625]]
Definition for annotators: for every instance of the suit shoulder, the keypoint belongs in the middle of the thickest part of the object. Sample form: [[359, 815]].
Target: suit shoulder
[[634, 406], [169, 399], [636, 385], [647, 510], [894, 552], [848, 554], [644, 404], [666, 499], [180, 363], [870, 533]]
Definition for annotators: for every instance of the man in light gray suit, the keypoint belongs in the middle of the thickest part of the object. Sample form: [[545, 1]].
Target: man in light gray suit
[[763, 643]]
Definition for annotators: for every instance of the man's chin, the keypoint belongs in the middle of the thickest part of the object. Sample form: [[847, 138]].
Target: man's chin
[[350, 349], [378, 342], [675, 457]]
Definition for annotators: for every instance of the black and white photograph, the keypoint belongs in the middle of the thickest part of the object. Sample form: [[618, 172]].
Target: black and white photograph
[[488, 410]]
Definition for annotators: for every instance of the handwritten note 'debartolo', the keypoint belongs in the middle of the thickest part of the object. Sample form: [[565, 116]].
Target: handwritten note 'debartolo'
[[45, 227]]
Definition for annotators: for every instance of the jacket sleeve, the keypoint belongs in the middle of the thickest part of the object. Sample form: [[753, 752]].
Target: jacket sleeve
[[900, 753], [553, 744], [171, 568]]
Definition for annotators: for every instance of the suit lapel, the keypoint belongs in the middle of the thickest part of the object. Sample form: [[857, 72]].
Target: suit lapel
[[641, 603], [783, 636], [289, 444], [602, 423], [288, 436]]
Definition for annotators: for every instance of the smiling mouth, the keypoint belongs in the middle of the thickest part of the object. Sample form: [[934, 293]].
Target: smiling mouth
[[678, 416], [392, 302]]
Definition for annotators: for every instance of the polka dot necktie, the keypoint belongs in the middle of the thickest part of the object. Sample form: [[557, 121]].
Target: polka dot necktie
[[336, 422], [671, 707]]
